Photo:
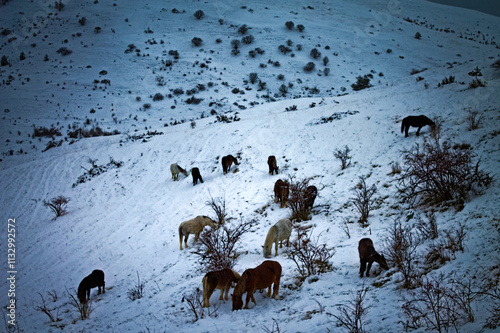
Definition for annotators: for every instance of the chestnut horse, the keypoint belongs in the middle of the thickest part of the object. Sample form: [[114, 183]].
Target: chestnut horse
[[260, 277], [367, 254], [227, 161], [310, 195], [415, 121], [273, 166], [281, 192], [218, 280], [95, 279]]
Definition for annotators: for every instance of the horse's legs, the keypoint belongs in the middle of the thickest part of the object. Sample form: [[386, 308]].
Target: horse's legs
[[276, 288], [186, 240], [276, 249], [227, 291], [418, 131], [368, 269], [362, 268], [406, 131], [196, 236], [269, 291], [103, 287], [249, 297]]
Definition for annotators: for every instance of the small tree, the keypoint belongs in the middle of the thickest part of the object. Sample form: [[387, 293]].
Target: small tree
[[57, 205], [199, 14], [326, 60], [363, 200], [315, 53], [253, 77], [248, 39], [243, 29], [196, 41], [343, 156], [473, 119], [362, 82], [300, 27], [289, 25], [309, 67], [352, 316]]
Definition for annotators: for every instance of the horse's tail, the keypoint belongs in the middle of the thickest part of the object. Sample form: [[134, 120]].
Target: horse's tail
[[180, 235], [205, 291]]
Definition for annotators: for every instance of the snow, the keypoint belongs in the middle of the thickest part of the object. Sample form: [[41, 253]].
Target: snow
[[125, 220]]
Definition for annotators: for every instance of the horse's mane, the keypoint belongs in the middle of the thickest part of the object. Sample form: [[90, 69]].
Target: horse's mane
[[271, 236], [241, 285], [236, 275], [181, 169]]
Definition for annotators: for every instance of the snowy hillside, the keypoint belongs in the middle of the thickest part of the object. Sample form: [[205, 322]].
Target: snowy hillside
[[125, 220]]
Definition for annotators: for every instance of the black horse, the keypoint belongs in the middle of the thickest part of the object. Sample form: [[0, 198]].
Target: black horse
[[95, 279], [195, 172], [415, 121], [273, 166], [227, 161]]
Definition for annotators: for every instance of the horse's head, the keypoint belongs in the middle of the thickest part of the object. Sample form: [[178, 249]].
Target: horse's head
[[237, 302], [267, 250], [383, 263], [81, 295]]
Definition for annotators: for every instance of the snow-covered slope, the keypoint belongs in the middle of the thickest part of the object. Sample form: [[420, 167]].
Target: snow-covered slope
[[125, 220]]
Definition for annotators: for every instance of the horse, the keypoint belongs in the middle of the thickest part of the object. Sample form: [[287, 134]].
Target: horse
[[218, 280], [227, 161], [194, 226], [281, 192], [277, 234], [415, 121], [195, 172], [175, 170], [273, 166], [367, 254], [260, 277], [95, 279], [310, 195]]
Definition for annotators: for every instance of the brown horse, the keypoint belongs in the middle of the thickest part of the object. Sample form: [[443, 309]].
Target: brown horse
[[195, 172], [227, 161], [95, 279], [273, 166], [310, 195], [415, 121], [281, 192], [260, 277], [367, 254], [218, 280]]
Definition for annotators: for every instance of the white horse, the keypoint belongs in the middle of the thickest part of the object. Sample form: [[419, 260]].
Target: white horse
[[194, 226], [175, 169], [278, 233]]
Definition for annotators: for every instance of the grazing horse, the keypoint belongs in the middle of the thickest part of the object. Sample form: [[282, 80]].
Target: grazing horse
[[95, 279], [310, 195], [227, 161], [195, 172], [260, 277], [218, 280], [175, 170], [415, 121], [273, 166], [367, 254], [277, 234], [194, 226], [281, 192]]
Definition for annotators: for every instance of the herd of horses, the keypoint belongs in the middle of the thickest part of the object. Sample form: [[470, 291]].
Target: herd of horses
[[268, 272]]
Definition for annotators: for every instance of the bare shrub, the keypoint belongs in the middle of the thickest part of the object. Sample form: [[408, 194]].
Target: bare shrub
[[84, 309], [219, 246], [315, 53], [352, 316], [428, 228], [395, 169], [196, 41], [439, 304], [300, 27], [401, 250], [301, 199], [473, 119], [137, 291], [309, 256], [362, 82], [218, 205], [289, 25], [57, 205], [438, 173], [199, 14], [43, 307], [275, 328], [243, 29], [194, 302], [363, 199], [309, 67], [344, 157]]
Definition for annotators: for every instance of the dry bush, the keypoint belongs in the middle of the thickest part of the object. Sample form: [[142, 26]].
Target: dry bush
[[218, 246], [137, 291], [473, 119], [343, 156], [84, 309], [194, 302], [428, 228], [300, 199], [401, 250], [440, 303], [363, 199], [57, 205], [436, 173], [43, 307], [309, 256], [352, 316]]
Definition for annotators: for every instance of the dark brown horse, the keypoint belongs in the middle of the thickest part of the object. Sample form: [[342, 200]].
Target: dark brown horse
[[260, 277], [415, 121], [310, 196], [273, 166], [195, 172], [95, 279], [218, 280], [281, 192], [367, 254], [227, 161]]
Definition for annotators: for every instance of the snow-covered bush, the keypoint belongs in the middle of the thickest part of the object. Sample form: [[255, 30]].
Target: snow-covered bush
[[57, 205]]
